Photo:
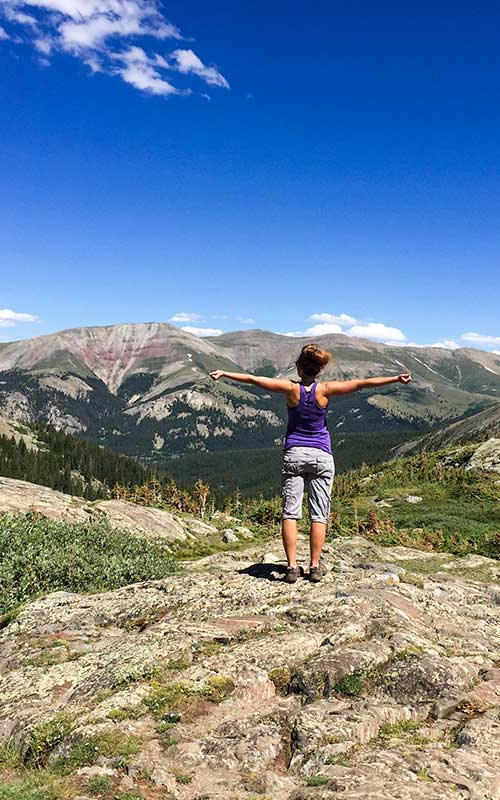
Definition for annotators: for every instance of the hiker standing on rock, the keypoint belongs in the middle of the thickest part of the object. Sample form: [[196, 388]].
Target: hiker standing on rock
[[307, 456]]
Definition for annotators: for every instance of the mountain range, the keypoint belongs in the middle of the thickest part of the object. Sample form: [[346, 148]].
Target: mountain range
[[144, 388]]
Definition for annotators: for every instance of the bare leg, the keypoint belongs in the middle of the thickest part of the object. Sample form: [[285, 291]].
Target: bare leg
[[316, 541], [289, 536]]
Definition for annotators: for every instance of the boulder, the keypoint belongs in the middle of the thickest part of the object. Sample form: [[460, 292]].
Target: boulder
[[486, 457]]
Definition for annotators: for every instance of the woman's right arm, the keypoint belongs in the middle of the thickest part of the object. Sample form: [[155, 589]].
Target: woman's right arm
[[346, 387], [271, 384]]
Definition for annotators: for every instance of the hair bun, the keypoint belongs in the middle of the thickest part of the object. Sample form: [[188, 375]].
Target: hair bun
[[312, 359]]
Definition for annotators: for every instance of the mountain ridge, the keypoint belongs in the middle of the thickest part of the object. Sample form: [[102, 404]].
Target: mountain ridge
[[144, 388]]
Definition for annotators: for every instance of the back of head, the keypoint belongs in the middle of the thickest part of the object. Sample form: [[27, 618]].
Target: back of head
[[312, 359]]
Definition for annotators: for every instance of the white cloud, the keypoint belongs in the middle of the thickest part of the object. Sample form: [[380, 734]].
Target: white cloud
[[140, 71], [104, 33], [377, 330], [9, 318], [327, 323], [340, 319], [188, 62], [202, 331], [322, 328], [497, 352], [186, 316], [446, 344], [317, 330], [480, 338]]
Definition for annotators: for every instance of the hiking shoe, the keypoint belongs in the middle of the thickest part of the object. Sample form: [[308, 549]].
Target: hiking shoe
[[292, 573], [316, 573]]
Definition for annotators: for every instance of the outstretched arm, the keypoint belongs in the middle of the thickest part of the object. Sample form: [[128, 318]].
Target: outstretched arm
[[346, 387], [271, 384]]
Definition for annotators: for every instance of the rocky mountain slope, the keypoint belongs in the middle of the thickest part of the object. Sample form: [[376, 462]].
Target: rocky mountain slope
[[19, 432], [476, 428], [381, 682], [144, 388]]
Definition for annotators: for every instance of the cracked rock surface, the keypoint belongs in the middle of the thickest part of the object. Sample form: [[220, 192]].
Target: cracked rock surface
[[233, 684]]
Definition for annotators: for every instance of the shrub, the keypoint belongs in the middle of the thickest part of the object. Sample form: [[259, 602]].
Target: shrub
[[38, 555]]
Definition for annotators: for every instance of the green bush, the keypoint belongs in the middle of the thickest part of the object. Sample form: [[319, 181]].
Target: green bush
[[38, 555], [98, 785]]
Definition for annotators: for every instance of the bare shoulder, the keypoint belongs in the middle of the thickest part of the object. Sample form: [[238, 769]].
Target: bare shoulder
[[322, 395]]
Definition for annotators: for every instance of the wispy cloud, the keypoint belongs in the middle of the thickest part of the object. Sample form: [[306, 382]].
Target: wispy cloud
[[9, 318], [134, 66], [202, 331], [446, 344], [188, 62], [480, 338], [104, 33], [246, 320], [186, 316]]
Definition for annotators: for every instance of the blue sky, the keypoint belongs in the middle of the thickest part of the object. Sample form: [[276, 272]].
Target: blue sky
[[273, 165]]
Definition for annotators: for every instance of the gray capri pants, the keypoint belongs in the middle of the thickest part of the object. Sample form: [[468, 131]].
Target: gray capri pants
[[313, 468]]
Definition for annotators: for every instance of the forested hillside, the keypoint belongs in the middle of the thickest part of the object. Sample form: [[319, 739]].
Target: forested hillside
[[68, 463]]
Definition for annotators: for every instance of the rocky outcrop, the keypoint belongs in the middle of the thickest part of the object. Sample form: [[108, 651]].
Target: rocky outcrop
[[18, 432], [22, 496], [226, 682], [486, 457]]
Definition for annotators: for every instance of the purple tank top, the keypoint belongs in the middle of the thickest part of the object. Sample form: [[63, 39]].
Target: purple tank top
[[307, 423]]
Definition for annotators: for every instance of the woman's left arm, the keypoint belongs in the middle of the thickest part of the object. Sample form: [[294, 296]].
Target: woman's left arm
[[271, 384]]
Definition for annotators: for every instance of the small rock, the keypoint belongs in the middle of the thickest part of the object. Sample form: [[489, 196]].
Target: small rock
[[388, 577], [243, 531], [126, 783], [224, 516], [161, 777], [229, 536], [495, 786], [413, 498], [270, 558], [96, 771]]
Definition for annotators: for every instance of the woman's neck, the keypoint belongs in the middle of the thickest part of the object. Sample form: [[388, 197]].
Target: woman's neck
[[307, 380]]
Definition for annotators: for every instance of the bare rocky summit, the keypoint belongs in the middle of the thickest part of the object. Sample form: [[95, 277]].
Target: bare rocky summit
[[381, 682]]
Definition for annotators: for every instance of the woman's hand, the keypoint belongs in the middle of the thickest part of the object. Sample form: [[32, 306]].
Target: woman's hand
[[216, 374], [404, 378]]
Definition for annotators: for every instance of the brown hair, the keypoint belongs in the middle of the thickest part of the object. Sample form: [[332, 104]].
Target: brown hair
[[312, 359]]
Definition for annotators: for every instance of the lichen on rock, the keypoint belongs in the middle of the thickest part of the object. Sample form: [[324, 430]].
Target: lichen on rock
[[226, 682]]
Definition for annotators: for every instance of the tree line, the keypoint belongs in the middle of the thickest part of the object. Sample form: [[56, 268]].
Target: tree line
[[69, 464]]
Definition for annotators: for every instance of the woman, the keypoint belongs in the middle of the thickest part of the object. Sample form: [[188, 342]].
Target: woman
[[307, 457]]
